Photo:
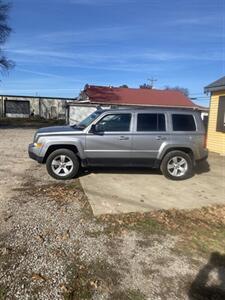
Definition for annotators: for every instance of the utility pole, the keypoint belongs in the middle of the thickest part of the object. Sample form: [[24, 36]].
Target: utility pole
[[151, 81]]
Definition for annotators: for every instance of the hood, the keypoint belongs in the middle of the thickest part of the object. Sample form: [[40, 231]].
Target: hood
[[58, 129]]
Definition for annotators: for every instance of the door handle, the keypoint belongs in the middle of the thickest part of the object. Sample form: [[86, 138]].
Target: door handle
[[162, 138], [124, 138]]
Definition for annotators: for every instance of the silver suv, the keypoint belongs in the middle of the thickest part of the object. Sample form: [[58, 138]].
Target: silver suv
[[169, 139]]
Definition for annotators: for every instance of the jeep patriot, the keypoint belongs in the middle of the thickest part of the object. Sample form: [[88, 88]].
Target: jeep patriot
[[169, 139]]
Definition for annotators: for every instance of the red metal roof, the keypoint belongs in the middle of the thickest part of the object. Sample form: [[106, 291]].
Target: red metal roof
[[131, 96]]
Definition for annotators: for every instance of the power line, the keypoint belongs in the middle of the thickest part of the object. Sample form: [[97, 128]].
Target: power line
[[151, 81], [201, 97]]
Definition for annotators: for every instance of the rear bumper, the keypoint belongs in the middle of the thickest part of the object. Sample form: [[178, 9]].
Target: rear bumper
[[33, 153], [204, 155]]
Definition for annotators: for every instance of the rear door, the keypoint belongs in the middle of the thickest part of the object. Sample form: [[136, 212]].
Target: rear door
[[111, 146], [150, 133]]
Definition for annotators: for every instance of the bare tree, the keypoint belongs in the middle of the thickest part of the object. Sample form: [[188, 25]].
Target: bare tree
[[5, 30], [184, 91], [145, 86]]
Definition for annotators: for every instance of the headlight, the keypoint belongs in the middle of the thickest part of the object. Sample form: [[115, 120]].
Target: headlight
[[38, 145]]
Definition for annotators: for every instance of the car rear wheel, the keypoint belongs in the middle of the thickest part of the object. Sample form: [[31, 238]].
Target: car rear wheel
[[177, 165], [62, 164]]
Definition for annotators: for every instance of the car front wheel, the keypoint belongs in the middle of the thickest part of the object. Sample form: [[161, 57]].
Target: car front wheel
[[62, 164], [177, 165]]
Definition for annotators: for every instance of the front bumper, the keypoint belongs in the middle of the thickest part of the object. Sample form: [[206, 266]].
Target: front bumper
[[33, 153]]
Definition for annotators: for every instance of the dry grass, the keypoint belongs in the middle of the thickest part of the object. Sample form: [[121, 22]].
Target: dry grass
[[28, 122]]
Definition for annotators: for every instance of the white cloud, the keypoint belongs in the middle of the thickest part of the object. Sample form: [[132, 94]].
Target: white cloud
[[143, 56], [44, 74], [30, 85], [195, 20], [90, 35]]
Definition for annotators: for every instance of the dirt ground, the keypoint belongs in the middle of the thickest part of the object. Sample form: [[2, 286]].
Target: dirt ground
[[53, 247]]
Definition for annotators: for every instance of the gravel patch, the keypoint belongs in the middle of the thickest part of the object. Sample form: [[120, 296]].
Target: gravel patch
[[52, 247]]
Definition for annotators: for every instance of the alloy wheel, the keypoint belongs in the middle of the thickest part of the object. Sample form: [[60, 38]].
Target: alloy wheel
[[62, 165], [177, 166]]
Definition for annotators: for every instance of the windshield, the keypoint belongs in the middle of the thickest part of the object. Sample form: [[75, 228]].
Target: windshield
[[87, 121]]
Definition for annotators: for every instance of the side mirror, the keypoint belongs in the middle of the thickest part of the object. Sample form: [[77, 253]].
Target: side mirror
[[97, 129], [93, 130]]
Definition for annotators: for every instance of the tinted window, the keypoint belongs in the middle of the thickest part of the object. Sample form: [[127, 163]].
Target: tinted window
[[151, 122], [183, 122], [117, 122]]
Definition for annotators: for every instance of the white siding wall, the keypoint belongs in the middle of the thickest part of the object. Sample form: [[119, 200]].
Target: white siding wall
[[78, 112], [47, 108]]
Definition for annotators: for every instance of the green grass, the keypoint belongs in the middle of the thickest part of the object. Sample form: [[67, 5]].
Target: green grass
[[100, 276], [196, 231], [2, 293], [85, 280], [135, 295], [148, 226], [203, 241], [29, 122], [127, 295], [139, 222]]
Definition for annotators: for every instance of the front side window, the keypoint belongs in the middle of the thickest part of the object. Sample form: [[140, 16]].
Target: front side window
[[151, 122], [115, 122], [182, 122]]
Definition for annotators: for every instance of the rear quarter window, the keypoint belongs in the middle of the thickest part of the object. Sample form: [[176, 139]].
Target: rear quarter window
[[183, 122]]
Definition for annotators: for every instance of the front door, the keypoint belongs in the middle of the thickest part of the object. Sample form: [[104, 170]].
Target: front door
[[110, 144], [149, 134]]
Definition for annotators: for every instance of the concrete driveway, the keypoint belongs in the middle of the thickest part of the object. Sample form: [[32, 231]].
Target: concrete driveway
[[130, 190]]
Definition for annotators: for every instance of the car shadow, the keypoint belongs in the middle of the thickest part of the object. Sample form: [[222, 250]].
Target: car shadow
[[202, 167], [119, 170], [208, 286]]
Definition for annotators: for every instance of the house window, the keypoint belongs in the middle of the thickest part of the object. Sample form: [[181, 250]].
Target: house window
[[221, 115], [182, 122], [151, 122]]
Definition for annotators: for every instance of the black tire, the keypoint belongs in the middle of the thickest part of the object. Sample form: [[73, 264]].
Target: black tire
[[167, 166], [70, 158]]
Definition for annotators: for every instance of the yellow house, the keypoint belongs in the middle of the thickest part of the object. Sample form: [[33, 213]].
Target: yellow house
[[216, 125]]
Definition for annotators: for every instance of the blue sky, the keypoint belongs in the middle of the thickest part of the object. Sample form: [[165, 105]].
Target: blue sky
[[60, 45]]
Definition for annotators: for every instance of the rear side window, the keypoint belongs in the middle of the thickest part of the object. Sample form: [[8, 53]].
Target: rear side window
[[182, 122], [151, 122]]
